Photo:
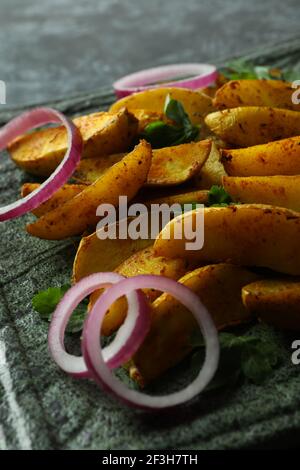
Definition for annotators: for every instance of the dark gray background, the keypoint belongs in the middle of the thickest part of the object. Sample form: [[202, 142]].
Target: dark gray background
[[54, 48]]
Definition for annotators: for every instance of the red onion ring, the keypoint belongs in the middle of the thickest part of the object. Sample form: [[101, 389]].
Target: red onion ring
[[202, 76], [95, 361], [20, 125], [128, 339]]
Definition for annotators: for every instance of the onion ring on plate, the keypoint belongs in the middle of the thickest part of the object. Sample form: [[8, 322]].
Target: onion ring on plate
[[23, 123], [95, 360], [191, 76], [128, 339]]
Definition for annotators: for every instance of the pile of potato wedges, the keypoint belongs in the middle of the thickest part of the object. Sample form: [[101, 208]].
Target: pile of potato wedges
[[249, 266]]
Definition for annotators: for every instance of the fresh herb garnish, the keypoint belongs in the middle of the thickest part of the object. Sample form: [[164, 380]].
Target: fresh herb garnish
[[242, 357], [218, 197], [45, 302], [160, 134], [241, 69]]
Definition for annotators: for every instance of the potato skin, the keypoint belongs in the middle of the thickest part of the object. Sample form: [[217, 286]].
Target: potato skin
[[273, 93], [275, 301], [281, 191], [212, 171], [281, 157], [251, 125], [62, 195], [77, 215], [196, 104], [246, 235], [172, 325], [40, 152]]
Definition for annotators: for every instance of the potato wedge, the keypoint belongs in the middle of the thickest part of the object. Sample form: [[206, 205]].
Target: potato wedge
[[172, 325], [252, 125], [145, 117], [200, 197], [75, 216], [274, 301], [142, 262], [64, 194], [175, 165], [196, 104], [281, 157], [212, 171], [170, 165], [90, 169], [103, 133], [273, 93], [281, 191], [247, 235]]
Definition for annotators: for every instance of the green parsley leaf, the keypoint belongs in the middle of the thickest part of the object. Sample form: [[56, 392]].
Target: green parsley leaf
[[240, 69], [249, 357], [218, 197], [160, 134], [45, 302]]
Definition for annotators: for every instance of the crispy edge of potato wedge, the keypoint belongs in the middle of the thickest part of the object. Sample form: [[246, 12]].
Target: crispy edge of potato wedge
[[251, 125], [275, 302], [40, 152], [172, 325], [246, 235], [90, 169], [196, 104], [274, 93], [78, 214], [281, 157], [176, 165], [62, 195], [212, 171], [280, 191]]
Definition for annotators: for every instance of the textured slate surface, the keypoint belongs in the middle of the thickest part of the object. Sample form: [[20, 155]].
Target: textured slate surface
[[41, 408], [61, 47]]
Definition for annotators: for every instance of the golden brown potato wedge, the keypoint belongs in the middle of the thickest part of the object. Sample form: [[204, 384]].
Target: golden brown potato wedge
[[145, 117], [281, 157], [142, 262], [252, 125], [212, 171], [170, 165], [281, 191], [90, 169], [77, 215], [175, 165], [247, 235], [274, 301], [273, 93], [200, 197], [64, 194], [103, 133], [172, 325], [196, 104]]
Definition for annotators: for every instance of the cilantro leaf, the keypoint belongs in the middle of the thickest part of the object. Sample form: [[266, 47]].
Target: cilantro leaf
[[240, 69], [160, 134], [217, 196], [45, 302], [249, 357]]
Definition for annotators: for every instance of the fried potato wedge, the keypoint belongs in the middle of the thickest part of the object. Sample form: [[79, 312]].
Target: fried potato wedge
[[172, 325], [274, 301], [175, 165], [281, 191], [252, 125], [281, 157], [273, 93], [246, 235], [90, 169], [78, 214], [212, 171], [145, 117], [40, 152], [196, 104], [200, 197], [62, 195], [170, 165], [142, 262]]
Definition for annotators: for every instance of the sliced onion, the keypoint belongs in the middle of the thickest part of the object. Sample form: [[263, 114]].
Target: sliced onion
[[95, 359], [190, 76], [20, 125], [129, 336]]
